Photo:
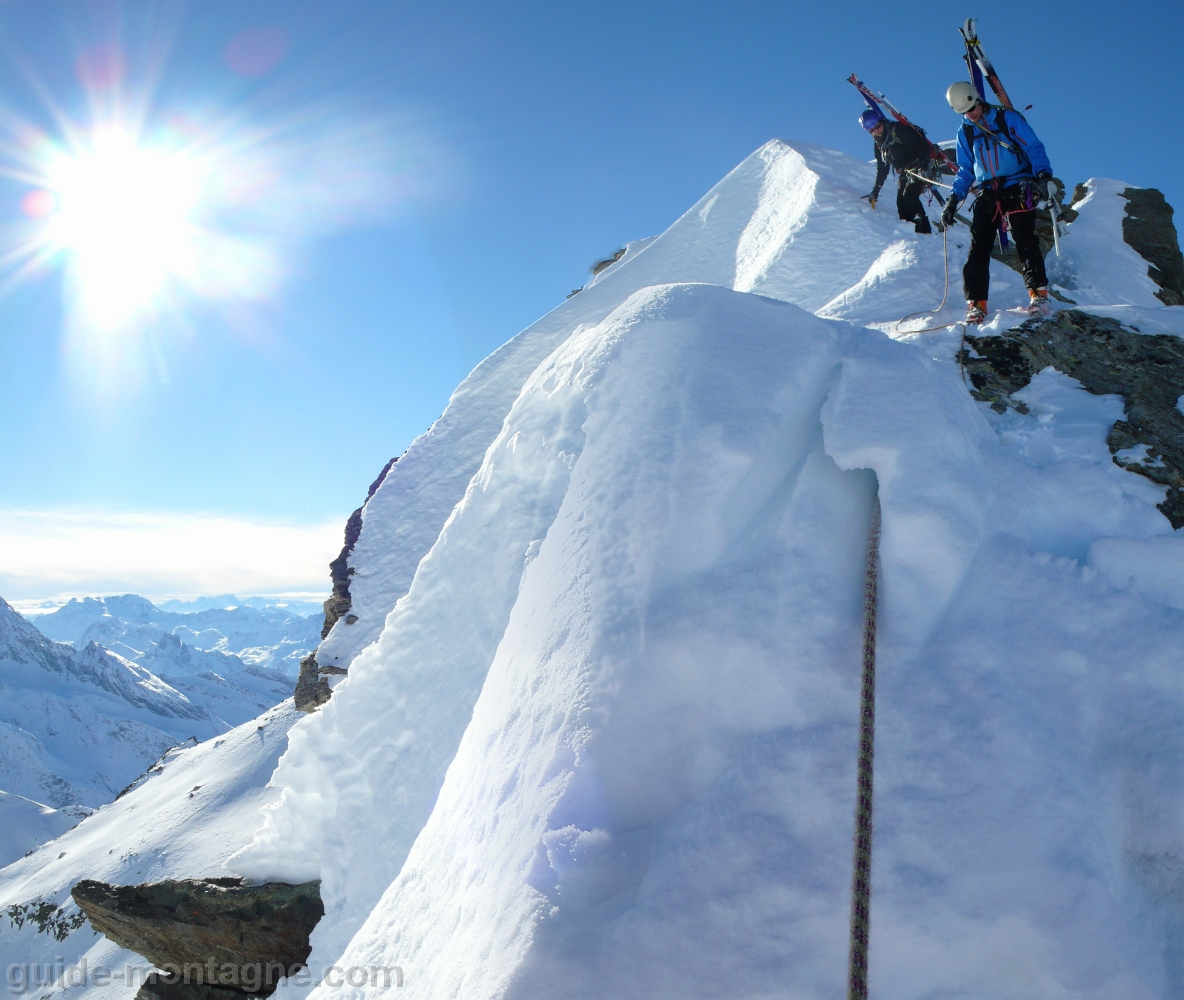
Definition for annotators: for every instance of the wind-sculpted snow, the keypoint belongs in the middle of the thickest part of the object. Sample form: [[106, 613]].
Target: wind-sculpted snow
[[631, 662], [598, 733], [761, 229], [654, 787], [603, 740]]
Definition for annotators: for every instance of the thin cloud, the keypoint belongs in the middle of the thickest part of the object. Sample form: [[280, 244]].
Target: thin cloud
[[44, 553]]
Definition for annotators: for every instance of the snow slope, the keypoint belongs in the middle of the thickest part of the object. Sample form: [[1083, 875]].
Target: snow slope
[[182, 821], [764, 228], [25, 825], [598, 733]]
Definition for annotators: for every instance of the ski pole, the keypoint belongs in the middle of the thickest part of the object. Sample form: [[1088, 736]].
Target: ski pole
[[1054, 210], [927, 180]]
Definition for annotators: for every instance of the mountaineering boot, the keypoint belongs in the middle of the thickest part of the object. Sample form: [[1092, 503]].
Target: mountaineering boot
[[1038, 304], [976, 310], [922, 224]]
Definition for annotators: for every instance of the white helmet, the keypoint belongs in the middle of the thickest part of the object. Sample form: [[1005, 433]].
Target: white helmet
[[962, 96]]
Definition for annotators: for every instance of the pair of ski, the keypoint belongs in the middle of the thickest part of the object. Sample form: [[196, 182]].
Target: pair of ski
[[981, 68], [937, 155]]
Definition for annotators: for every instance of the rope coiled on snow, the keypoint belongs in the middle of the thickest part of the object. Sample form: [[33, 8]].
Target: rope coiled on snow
[[861, 880], [945, 252]]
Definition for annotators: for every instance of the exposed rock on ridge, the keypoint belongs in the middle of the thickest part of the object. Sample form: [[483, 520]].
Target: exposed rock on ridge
[[1149, 231], [210, 937], [1147, 371], [312, 687], [338, 603]]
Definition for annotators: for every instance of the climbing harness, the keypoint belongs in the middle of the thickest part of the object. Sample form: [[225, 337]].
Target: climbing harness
[[861, 879]]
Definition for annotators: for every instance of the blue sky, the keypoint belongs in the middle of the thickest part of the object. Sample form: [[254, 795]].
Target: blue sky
[[477, 159]]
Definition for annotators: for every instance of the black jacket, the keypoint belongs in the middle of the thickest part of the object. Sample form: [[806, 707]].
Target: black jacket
[[901, 147]]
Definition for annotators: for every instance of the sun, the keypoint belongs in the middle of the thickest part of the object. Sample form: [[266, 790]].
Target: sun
[[168, 224], [126, 216]]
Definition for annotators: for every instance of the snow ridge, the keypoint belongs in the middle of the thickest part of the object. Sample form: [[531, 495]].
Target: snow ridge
[[598, 733]]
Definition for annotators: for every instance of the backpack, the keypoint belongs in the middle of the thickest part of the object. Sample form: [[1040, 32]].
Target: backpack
[[1002, 129], [915, 129]]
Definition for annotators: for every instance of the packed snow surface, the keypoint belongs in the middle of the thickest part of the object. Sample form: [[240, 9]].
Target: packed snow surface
[[25, 825], [598, 735]]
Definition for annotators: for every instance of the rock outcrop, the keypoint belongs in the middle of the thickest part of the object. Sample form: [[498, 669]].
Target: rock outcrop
[[1105, 357], [338, 603], [1149, 231], [312, 685], [608, 262], [212, 939]]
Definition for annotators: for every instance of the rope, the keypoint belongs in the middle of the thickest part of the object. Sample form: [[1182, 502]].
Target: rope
[[945, 252], [861, 879]]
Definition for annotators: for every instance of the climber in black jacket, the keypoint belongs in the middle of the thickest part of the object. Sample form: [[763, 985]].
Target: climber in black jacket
[[903, 148]]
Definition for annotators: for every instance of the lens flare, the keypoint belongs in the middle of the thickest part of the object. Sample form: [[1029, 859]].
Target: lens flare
[[154, 219], [126, 215]]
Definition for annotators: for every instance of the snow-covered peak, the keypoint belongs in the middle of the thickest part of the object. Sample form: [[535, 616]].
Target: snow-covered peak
[[269, 637], [22, 644], [604, 672], [600, 721], [78, 725], [787, 222]]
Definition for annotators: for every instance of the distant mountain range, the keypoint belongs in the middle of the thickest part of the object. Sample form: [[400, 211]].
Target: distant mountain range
[[293, 607], [95, 692], [269, 637]]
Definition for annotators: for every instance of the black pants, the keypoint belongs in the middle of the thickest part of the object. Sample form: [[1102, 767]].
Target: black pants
[[976, 275], [908, 202]]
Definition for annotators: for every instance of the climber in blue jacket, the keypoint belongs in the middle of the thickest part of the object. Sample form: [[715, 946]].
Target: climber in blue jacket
[[1000, 155]]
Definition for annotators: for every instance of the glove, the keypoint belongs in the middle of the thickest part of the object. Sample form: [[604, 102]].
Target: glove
[[871, 197], [947, 213]]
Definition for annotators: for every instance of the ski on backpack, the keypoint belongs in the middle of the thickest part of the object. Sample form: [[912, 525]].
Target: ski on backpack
[[980, 66], [936, 153]]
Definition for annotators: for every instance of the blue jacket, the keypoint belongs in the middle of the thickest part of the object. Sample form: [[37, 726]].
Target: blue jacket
[[984, 159]]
